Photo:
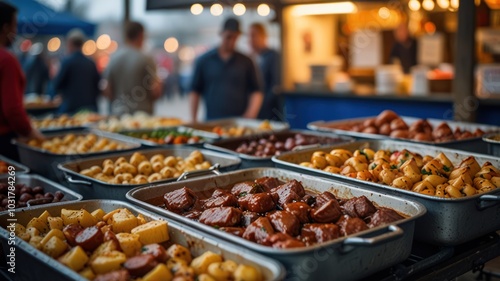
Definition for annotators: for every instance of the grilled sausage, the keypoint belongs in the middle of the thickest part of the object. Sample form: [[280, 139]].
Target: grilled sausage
[[157, 250], [90, 238], [140, 265], [117, 275], [70, 231]]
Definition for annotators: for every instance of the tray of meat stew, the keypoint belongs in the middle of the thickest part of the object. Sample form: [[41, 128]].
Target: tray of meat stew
[[290, 216]]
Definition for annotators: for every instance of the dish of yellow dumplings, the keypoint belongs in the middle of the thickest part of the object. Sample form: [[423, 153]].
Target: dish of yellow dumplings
[[410, 171], [140, 170], [78, 144], [121, 246]]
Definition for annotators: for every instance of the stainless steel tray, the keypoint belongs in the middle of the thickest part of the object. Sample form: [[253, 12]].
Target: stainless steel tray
[[346, 258], [207, 137], [45, 163], [92, 188], [206, 127], [20, 168], [472, 144], [32, 180], [32, 264], [493, 145], [449, 221], [250, 161]]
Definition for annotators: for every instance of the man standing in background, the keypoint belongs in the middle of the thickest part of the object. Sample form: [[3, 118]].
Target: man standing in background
[[132, 83], [268, 62], [13, 118], [78, 79], [226, 79]]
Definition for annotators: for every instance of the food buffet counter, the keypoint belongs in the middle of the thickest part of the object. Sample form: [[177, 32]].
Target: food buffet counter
[[305, 107]]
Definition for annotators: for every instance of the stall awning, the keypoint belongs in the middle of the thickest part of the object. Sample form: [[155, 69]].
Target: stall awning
[[35, 18]]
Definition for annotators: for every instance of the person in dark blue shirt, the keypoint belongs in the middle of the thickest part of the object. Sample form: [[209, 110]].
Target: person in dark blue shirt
[[226, 79], [78, 79], [268, 61]]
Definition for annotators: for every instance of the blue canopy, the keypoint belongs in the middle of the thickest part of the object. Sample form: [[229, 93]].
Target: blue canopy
[[35, 18]]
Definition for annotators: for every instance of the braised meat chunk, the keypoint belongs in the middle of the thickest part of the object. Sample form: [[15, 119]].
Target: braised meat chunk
[[268, 183], [221, 216], [313, 233], [323, 198], [220, 198], [246, 187], [283, 241], [258, 230], [384, 216], [291, 191], [328, 212], [259, 203], [285, 222], [248, 217], [179, 200], [359, 207], [300, 210], [350, 225]]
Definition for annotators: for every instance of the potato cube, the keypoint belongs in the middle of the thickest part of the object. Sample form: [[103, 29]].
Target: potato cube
[[174, 264], [32, 231], [129, 243], [247, 273], [19, 229], [141, 219], [55, 223], [54, 232], [81, 217], [159, 273], [200, 264], [108, 262], [98, 214], [106, 247], [44, 216], [25, 236], [107, 216], [75, 259], [55, 247], [218, 272], [152, 232], [87, 273], [39, 224], [181, 252], [123, 221], [35, 241]]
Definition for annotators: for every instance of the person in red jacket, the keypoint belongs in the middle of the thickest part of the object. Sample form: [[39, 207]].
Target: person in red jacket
[[13, 118]]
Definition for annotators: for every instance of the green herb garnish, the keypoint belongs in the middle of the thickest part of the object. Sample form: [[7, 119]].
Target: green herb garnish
[[263, 229], [242, 194], [446, 168], [425, 172], [394, 167], [373, 166]]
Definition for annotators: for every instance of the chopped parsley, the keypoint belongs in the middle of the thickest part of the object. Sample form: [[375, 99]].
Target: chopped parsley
[[394, 167], [373, 166], [446, 168], [407, 154], [402, 161], [263, 229], [216, 226], [363, 153], [425, 172], [242, 194]]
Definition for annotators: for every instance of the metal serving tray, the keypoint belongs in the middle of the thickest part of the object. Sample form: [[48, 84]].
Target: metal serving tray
[[206, 127], [346, 258], [472, 144], [250, 161], [32, 264], [449, 221], [20, 168], [45, 163], [92, 188], [32, 180], [493, 145], [207, 136]]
